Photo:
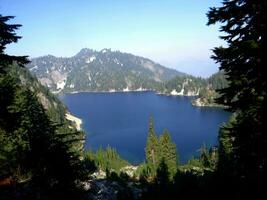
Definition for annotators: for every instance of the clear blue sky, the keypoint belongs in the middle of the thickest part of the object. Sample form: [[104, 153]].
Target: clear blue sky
[[170, 32]]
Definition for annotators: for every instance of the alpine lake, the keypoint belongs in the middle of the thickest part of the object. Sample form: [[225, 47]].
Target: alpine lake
[[121, 119]]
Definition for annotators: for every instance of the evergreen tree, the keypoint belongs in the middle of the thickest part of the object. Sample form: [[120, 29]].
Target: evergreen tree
[[152, 149], [31, 146], [208, 157], [244, 62], [168, 153], [107, 159], [8, 35], [162, 181], [226, 157], [8, 87]]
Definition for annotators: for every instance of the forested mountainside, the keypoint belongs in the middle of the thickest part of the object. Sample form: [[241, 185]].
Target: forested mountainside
[[55, 109], [195, 86], [38, 146], [111, 71], [205, 90], [103, 70], [208, 96], [184, 85], [52, 105]]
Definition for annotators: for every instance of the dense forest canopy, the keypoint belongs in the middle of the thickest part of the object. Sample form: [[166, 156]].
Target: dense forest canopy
[[242, 160], [37, 146]]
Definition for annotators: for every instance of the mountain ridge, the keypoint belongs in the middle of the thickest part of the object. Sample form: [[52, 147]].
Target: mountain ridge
[[114, 71], [104, 70]]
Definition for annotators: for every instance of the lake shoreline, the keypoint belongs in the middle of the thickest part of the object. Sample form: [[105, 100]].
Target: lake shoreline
[[128, 91], [77, 121], [193, 102]]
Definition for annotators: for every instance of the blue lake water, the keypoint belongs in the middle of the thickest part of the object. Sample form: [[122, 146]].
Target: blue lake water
[[121, 121]]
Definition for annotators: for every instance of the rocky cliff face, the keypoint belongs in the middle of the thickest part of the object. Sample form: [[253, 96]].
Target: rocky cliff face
[[54, 107]]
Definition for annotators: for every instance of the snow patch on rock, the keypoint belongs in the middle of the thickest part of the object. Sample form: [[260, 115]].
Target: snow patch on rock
[[193, 93], [112, 90], [126, 89], [35, 67], [89, 76], [91, 59], [175, 93], [141, 89], [61, 84], [72, 85]]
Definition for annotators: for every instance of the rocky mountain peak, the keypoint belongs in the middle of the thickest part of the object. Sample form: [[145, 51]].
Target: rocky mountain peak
[[104, 70], [84, 52]]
